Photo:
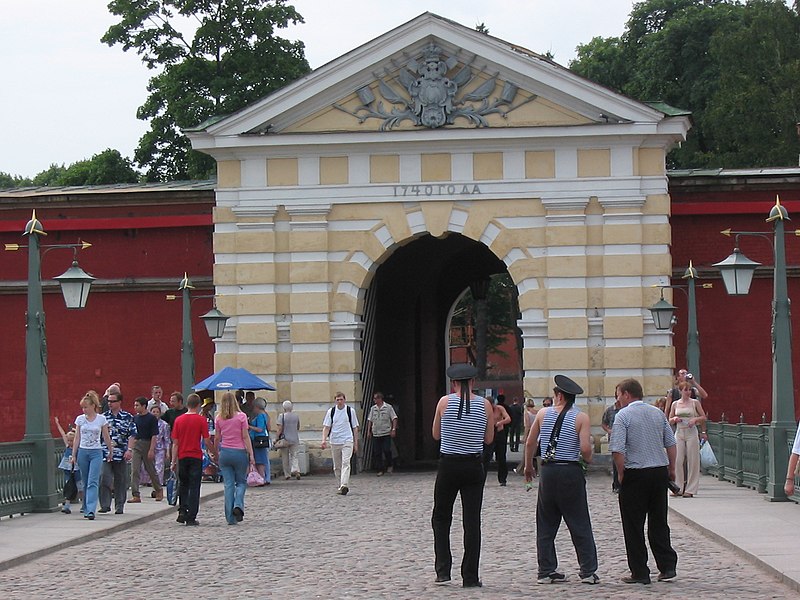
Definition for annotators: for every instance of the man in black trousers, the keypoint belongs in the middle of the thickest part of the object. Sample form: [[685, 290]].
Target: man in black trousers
[[643, 447]]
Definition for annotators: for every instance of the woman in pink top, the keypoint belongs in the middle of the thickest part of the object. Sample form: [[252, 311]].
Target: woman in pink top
[[235, 454]]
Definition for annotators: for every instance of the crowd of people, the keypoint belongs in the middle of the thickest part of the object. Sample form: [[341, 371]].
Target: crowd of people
[[111, 452], [653, 447]]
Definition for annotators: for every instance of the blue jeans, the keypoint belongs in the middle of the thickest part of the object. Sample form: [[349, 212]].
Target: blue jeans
[[90, 462], [233, 464]]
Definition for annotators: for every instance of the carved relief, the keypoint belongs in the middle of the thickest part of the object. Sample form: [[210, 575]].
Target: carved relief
[[432, 98]]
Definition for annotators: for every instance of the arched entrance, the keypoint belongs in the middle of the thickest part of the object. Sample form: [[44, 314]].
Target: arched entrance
[[409, 301]]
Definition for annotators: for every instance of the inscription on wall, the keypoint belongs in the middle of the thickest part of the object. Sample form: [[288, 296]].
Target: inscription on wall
[[436, 189]]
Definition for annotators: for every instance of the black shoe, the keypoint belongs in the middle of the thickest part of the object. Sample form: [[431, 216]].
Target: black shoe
[[118, 511], [104, 510], [90, 516], [193, 523], [238, 514], [469, 584], [502, 484], [667, 575], [441, 579], [642, 580], [181, 518], [344, 490]]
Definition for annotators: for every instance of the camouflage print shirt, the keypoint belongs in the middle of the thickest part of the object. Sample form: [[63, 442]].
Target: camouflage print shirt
[[120, 428]]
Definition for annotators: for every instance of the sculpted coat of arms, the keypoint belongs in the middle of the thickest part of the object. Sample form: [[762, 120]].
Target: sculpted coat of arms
[[432, 98]]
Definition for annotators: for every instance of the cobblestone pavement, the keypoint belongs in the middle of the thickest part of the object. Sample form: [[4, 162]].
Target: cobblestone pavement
[[300, 540]]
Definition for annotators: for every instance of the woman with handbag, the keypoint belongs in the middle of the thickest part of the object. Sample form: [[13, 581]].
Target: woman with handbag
[[235, 454], [289, 441], [685, 414], [259, 436]]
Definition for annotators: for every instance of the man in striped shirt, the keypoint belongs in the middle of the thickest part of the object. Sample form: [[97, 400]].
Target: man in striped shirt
[[463, 423], [643, 447]]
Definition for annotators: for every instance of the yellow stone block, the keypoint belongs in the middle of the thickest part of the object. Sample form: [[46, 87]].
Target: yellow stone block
[[487, 165], [224, 274], [223, 215], [566, 298], [310, 362], [308, 303], [566, 266], [659, 264], [346, 303], [526, 268], [622, 298], [622, 265], [333, 170], [437, 216], [229, 174], [540, 164], [657, 233], [258, 363], [567, 358], [252, 241], [623, 358], [256, 273], [308, 241], [566, 235], [256, 304], [310, 333], [308, 272], [282, 171], [345, 362], [650, 162], [256, 333], [435, 167], [594, 162], [567, 328], [224, 243], [659, 357], [657, 204], [619, 233], [623, 327], [384, 168]]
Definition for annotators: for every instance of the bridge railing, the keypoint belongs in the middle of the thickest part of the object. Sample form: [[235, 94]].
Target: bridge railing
[[16, 476], [742, 454]]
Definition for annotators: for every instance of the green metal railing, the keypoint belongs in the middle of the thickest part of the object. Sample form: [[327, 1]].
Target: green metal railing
[[16, 476], [741, 452]]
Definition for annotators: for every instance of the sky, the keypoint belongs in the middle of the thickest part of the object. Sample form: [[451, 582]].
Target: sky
[[68, 96]]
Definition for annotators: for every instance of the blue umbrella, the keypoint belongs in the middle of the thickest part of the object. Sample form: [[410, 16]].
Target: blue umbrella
[[231, 378]]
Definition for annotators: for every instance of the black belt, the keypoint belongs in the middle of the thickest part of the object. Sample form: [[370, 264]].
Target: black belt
[[560, 462], [474, 456]]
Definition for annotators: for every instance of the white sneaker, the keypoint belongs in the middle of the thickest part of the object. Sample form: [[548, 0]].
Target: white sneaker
[[592, 579]]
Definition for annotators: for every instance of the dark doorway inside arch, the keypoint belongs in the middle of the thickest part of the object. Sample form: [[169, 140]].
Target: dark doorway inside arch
[[408, 306]]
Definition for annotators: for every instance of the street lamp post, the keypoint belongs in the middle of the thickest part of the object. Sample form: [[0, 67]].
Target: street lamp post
[[663, 313], [215, 326], [737, 273], [75, 284]]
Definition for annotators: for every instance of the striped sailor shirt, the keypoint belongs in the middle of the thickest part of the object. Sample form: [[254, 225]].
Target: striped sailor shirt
[[641, 432], [464, 436], [568, 447]]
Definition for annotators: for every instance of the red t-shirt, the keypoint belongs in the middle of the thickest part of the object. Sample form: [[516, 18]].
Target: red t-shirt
[[188, 431]]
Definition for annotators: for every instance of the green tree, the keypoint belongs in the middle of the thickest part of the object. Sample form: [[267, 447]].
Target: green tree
[[732, 64], [50, 176], [105, 168], [7, 180], [502, 312], [231, 58]]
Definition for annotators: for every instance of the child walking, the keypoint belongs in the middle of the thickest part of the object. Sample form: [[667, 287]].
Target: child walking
[[66, 466]]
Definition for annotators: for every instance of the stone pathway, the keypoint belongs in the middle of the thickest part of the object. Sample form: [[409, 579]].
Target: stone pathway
[[300, 540]]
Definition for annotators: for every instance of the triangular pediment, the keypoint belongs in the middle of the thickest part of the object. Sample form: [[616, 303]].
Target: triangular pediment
[[432, 73]]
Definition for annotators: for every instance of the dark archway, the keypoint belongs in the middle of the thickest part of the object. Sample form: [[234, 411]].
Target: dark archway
[[415, 290]]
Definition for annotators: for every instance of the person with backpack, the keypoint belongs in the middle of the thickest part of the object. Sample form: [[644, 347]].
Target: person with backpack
[[341, 423]]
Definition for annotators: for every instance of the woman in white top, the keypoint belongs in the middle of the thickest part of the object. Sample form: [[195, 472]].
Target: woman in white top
[[87, 452]]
